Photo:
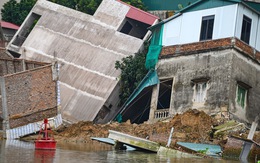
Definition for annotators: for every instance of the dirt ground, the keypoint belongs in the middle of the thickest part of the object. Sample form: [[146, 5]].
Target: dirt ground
[[191, 126]]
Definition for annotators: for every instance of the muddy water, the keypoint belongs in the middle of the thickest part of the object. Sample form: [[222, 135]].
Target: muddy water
[[24, 152]]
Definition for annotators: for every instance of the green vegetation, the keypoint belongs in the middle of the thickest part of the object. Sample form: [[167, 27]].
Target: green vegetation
[[137, 3], [16, 12], [132, 72], [203, 151]]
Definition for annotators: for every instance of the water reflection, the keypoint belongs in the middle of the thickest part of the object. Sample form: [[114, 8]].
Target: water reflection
[[44, 156], [24, 152]]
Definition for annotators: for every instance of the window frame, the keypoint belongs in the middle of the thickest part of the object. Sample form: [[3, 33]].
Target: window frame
[[246, 88], [165, 86], [203, 91], [245, 34], [206, 32]]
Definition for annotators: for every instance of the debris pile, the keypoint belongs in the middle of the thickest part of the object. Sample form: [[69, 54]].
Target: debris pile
[[191, 126]]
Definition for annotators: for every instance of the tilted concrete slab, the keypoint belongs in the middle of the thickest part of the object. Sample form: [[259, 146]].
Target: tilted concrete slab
[[85, 46], [134, 141]]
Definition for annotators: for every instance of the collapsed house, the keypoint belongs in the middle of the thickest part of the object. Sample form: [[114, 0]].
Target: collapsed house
[[209, 59], [8, 30], [28, 95], [86, 48]]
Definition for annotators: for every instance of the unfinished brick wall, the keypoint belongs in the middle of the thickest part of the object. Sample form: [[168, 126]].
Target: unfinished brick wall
[[210, 45], [196, 47], [11, 66], [31, 96], [3, 54]]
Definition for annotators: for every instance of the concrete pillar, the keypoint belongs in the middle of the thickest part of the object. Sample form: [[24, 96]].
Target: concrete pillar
[[154, 100], [6, 125], [173, 94], [253, 128], [24, 65]]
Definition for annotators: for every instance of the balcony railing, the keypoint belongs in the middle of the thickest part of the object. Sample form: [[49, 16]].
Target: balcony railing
[[162, 113]]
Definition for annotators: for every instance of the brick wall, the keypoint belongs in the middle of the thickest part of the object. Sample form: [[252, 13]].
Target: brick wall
[[210, 45], [196, 47], [11, 66], [3, 54], [31, 96]]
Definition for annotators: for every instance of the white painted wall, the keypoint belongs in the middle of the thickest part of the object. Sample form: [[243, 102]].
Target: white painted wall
[[254, 41], [186, 28], [258, 35]]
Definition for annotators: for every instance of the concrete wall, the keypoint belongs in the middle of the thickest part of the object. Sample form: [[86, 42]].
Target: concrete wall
[[246, 71], [216, 66], [223, 69], [186, 28], [31, 96]]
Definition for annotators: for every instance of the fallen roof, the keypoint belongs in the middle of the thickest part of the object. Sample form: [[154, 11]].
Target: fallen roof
[[9, 25], [140, 15]]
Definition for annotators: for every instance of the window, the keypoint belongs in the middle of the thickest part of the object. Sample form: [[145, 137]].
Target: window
[[165, 92], [241, 96], [200, 92], [126, 28], [200, 86], [207, 25], [26, 29], [246, 29]]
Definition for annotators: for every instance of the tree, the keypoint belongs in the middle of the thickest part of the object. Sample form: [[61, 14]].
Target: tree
[[16, 12], [136, 3], [88, 6], [9, 11], [132, 72], [67, 3]]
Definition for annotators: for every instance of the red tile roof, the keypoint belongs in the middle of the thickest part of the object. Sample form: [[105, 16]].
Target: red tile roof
[[140, 15], [9, 25]]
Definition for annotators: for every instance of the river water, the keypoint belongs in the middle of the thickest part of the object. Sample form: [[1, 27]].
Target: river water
[[15, 151]]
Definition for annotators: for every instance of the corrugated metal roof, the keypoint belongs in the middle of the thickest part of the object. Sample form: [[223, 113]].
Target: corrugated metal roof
[[140, 15], [9, 25]]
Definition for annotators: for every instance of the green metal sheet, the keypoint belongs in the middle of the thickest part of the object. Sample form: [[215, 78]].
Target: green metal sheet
[[153, 5], [150, 79], [209, 149], [207, 4], [253, 5]]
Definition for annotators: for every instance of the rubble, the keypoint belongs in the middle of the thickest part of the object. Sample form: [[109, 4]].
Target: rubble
[[192, 126]]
